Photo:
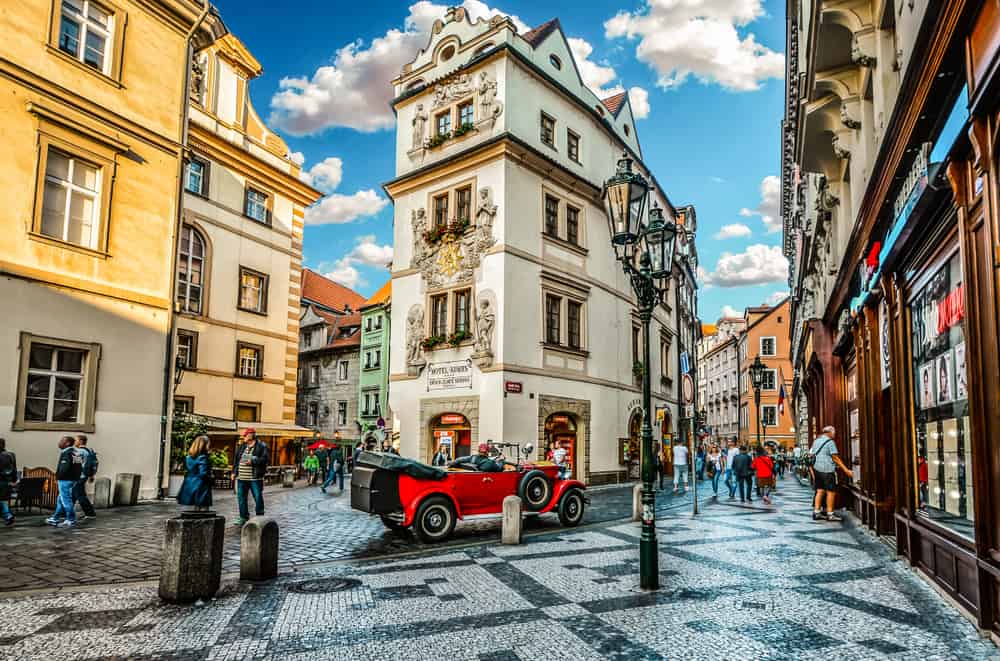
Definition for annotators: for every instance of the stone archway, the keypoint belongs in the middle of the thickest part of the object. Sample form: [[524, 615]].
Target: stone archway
[[432, 408], [580, 410]]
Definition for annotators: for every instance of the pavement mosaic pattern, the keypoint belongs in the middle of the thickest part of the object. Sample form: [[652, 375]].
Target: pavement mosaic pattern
[[737, 583]]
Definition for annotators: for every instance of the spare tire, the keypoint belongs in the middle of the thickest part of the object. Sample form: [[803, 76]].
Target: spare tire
[[535, 490]]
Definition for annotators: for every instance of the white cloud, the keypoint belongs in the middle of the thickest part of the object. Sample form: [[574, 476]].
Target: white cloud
[[733, 231], [345, 274], [775, 298], [770, 199], [354, 89], [297, 157], [597, 75], [639, 98], [325, 175], [336, 208], [700, 38], [366, 251], [730, 311], [757, 265]]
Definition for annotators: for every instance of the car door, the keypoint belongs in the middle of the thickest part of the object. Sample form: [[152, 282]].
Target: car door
[[467, 487], [494, 487]]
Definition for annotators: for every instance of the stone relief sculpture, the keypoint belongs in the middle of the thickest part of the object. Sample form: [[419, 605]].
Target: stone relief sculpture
[[846, 119], [196, 90], [415, 361], [489, 107], [454, 256], [418, 221], [485, 325], [420, 120], [839, 151], [485, 215], [452, 89]]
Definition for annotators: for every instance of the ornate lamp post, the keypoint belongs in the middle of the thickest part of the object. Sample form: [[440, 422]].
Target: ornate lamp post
[[646, 253], [179, 366], [757, 380]]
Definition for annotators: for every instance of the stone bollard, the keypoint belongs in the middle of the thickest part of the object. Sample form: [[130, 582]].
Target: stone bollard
[[127, 488], [259, 549], [191, 568], [288, 479], [102, 493], [637, 502], [513, 521]]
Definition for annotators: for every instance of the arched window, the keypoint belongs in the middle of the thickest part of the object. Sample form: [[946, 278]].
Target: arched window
[[191, 270]]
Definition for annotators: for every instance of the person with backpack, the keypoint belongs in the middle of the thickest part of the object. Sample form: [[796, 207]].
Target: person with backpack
[[89, 459], [763, 466], [69, 469], [8, 478], [823, 462]]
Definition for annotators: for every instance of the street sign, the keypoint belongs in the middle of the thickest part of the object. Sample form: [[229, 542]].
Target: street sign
[[687, 389], [515, 387], [685, 364], [689, 410]]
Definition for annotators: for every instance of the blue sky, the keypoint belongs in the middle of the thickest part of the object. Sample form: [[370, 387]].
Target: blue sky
[[711, 70]]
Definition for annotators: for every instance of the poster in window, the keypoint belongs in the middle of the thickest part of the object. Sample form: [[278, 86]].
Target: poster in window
[[927, 400], [961, 384], [945, 375]]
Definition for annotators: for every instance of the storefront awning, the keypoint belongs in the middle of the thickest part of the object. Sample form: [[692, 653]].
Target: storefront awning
[[224, 427]]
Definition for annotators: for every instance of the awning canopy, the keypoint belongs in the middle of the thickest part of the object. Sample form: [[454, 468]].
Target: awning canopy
[[224, 427]]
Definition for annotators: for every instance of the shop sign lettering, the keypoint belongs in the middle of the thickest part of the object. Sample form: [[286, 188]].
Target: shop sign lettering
[[883, 327], [450, 375], [951, 309]]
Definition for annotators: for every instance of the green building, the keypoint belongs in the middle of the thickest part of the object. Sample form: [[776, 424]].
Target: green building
[[373, 386]]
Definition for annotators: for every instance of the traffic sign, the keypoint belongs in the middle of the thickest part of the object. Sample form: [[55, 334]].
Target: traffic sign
[[687, 389], [689, 411]]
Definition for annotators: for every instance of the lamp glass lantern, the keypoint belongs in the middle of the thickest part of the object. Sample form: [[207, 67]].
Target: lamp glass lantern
[[660, 239], [757, 373], [625, 201]]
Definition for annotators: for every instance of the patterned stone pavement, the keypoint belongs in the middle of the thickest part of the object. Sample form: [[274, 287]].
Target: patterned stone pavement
[[738, 583], [124, 544]]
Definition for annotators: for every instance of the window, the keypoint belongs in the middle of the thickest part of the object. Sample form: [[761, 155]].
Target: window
[[463, 203], [187, 348], [441, 210], [314, 375], [636, 345], [378, 358], [770, 381], [548, 130], [573, 146], [313, 414], [555, 61], [366, 404], [378, 322], [246, 411], [462, 311], [183, 406], [343, 368], [377, 410], [307, 339], [197, 177], [551, 216], [57, 384], [190, 270], [552, 305], [573, 225], [368, 360], [439, 315], [86, 32], [368, 324], [768, 346], [443, 124], [253, 291], [72, 199], [466, 114], [664, 357], [768, 415], [256, 205], [341, 413], [249, 360], [573, 324]]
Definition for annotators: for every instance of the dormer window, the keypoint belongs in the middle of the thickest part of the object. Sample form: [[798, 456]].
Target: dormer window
[[447, 53], [555, 61]]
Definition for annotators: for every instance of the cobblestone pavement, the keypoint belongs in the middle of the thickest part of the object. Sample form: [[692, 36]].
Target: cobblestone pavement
[[124, 544], [737, 583]]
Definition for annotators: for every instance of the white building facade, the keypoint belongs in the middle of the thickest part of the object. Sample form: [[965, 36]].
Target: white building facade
[[511, 319]]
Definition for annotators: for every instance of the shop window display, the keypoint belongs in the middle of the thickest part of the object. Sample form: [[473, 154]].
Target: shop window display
[[944, 446]]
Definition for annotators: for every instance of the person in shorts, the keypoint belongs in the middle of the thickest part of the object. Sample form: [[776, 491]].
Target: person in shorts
[[824, 473]]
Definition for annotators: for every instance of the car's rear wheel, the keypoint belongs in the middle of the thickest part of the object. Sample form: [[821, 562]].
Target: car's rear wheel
[[571, 508], [435, 520], [535, 490], [392, 524]]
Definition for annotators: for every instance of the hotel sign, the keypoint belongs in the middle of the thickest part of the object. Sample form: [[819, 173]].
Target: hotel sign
[[450, 375]]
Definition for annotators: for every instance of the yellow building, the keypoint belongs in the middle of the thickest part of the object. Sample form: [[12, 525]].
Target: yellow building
[[239, 266], [92, 129]]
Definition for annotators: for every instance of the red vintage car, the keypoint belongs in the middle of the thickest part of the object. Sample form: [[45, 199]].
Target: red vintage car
[[407, 493]]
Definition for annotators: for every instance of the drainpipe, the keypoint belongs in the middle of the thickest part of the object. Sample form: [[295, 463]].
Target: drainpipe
[[168, 358]]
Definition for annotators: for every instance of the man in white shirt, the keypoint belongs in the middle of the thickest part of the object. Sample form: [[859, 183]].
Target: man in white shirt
[[730, 455], [680, 465]]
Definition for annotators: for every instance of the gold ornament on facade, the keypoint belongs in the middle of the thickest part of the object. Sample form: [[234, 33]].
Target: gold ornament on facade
[[449, 259]]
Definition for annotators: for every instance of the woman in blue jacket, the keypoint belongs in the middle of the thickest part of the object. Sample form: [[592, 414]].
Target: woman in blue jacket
[[196, 490]]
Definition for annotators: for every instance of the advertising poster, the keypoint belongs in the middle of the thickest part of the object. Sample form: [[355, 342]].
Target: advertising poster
[[961, 380], [945, 377], [927, 399]]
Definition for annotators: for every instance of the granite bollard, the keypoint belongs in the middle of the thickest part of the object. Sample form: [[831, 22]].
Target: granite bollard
[[191, 568], [259, 549], [513, 521], [127, 488], [102, 493]]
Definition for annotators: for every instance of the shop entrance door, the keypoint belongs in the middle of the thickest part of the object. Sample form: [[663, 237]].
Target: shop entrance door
[[568, 443]]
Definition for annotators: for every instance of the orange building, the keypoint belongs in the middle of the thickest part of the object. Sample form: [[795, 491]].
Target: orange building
[[767, 336]]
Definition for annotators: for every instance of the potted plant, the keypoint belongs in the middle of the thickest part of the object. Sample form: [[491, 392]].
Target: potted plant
[[428, 343], [462, 130], [458, 337]]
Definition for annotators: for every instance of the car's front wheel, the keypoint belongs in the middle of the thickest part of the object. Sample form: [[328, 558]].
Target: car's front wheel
[[571, 508], [435, 520]]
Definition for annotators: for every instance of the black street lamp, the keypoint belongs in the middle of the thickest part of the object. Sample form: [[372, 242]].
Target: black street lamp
[[652, 246], [757, 380], [179, 366]]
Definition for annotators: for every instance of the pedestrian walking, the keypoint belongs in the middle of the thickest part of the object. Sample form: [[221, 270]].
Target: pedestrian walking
[[68, 471], [661, 463], [680, 465], [763, 466], [311, 466], [196, 490], [8, 478], [743, 473], [358, 449], [823, 461], [336, 470], [714, 468], [699, 463], [249, 467], [731, 453], [90, 463], [324, 461]]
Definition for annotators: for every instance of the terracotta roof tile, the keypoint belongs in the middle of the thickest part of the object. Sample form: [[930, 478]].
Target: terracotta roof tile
[[382, 295], [615, 103], [537, 35], [326, 292]]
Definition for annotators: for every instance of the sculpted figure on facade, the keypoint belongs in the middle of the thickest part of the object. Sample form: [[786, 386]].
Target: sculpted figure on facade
[[420, 120], [489, 107], [196, 90], [452, 89], [418, 221], [485, 326], [415, 361], [485, 215]]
